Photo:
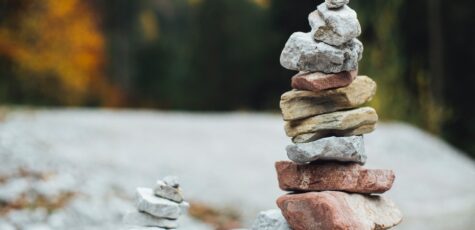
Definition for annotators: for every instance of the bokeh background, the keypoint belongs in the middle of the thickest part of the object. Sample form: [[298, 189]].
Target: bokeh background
[[155, 80], [215, 55]]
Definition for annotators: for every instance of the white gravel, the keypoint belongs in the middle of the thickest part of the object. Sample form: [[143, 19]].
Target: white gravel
[[226, 160]]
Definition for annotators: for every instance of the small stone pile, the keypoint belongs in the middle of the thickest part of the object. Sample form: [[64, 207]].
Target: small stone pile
[[323, 116], [158, 208]]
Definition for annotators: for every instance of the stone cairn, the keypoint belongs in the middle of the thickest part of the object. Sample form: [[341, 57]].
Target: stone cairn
[[158, 208], [323, 116]]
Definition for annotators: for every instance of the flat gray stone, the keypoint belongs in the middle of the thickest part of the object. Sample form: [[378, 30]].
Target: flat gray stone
[[346, 149], [303, 53], [334, 26], [156, 206], [270, 220], [169, 192], [334, 4], [147, 220]]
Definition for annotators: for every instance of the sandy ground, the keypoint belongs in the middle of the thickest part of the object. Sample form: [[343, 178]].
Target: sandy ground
[[224, 160]]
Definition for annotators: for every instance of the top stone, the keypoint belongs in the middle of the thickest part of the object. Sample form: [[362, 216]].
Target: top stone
[[334, 4], [334, 26], [171, 181]]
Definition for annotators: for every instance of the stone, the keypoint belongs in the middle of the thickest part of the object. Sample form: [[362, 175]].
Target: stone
[[334, 26], [147, 202], [338, 211], [345, 149], [171, 181], [168, 191], [342, 123], [332, 176], [318, 81], [335, 4], [303, 53], [270, 220], [147, 220], [300, 104]]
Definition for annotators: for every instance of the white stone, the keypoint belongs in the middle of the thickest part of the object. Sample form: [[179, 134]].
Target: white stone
[[156, 206], [334, 4], [303, 53], [169, 192], [270, 220], [334, 27], [347, 149], [171, 181], [147, 220]]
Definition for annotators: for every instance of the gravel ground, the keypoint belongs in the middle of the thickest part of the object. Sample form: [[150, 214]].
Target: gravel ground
[[224, 160]]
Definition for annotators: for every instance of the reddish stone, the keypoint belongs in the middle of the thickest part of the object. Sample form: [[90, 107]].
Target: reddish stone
[[321, 81], [338, 211], [332, 176]]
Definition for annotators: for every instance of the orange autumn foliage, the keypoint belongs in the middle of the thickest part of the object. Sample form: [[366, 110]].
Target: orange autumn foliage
[[60, 42]]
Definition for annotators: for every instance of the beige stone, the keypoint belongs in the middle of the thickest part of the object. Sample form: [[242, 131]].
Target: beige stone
[[297, 104], [342, 123]]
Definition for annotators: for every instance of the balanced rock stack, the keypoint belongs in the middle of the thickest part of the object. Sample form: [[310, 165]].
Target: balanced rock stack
[[326, 121], [158, 208]]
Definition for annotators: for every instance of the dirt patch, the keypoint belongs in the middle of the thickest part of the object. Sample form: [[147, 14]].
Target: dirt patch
[[219, 218]]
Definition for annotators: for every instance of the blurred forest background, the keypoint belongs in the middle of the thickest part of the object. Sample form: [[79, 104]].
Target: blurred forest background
[[223, 55]]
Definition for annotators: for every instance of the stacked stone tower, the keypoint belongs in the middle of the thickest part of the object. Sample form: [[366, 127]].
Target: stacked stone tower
[[324, 115], [157, 208]]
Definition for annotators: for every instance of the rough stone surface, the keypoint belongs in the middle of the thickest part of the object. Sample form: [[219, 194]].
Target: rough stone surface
[[147, 220], [334, 26], [334, 4], [168, 191], [158, 207], [346, 149], [332, 176], [318, 81], [343, 123], [299, 104], [270, 220], [303, 53], [339, 211]]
